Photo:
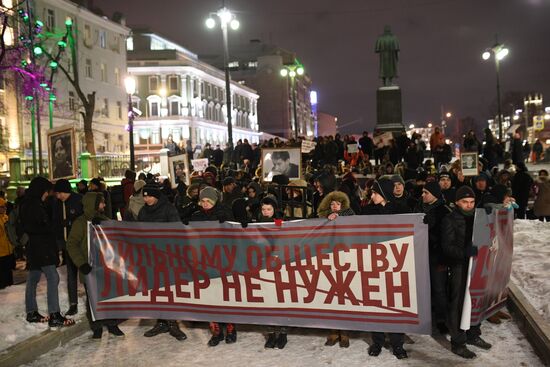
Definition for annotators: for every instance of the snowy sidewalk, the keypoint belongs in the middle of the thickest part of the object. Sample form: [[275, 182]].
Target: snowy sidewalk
[[531, 264], [13, 326], [305, 348]]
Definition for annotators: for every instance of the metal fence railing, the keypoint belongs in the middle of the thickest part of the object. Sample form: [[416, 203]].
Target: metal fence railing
[[27, 170], [116, 165]]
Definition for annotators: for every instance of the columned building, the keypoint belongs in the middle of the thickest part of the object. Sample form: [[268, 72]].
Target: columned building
[[179, 95]]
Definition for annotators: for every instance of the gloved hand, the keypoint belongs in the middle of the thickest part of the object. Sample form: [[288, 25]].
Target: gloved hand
[[221, 219], [471, 251], [85, 269], [244, 224], [96, 221], [185, 221], [488, 209]]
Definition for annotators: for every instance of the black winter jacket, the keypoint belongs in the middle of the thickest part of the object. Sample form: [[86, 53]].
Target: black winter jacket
[[218, 213], [454, 244], [73, 209], [433, 218], [162, 211]]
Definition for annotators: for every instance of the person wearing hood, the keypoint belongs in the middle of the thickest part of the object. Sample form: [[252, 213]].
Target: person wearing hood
[[211, 209], [42, 254], [93, 204], [135, 203], [482, 190], [456, 244], [96, 185], [381, 203], [254, 193], [336, 204], [189, 204], [447, 189], [434, 208], [66, 209], [297, 206], [401, 198], [324, 183], [158, 209]]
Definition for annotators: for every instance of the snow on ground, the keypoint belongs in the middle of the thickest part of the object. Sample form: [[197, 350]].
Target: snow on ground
[[305, 348], [13, 326], [531, 264]]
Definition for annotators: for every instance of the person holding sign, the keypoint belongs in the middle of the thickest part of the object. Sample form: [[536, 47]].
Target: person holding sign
[[353, 156]]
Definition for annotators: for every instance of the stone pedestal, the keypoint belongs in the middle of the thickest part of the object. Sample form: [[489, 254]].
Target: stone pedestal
[[389, 115]]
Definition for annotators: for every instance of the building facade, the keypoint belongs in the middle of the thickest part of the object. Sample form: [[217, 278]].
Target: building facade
[[258, 66], [179, 95]]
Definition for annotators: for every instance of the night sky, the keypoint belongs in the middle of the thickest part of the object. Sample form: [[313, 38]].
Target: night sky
[[441, 44]]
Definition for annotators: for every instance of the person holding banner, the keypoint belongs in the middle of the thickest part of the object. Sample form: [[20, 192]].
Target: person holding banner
[[456, 234], [381, 197], [93, 204], [158, 209]]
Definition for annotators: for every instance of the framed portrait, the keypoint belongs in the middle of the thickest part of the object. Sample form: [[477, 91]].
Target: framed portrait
[[179, 169], [468, 163], [62, 152], [279, 161]]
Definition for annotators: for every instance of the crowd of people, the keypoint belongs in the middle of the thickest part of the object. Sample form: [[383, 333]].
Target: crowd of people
[[48, 220]]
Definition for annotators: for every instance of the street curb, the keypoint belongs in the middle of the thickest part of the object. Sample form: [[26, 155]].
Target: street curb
[[530, 322], [32, 348]]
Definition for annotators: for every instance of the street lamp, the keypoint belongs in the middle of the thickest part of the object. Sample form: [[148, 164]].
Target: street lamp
[[292, 71], [499, 52], [448, 115], [226, 18], [130, 84]]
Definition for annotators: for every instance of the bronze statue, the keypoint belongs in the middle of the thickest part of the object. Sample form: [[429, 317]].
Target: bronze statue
[[387, 46]]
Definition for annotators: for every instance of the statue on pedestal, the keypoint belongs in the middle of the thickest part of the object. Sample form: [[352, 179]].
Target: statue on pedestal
[[387, 46]]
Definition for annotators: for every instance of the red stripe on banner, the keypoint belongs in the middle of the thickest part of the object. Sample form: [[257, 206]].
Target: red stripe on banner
[[279, 229], [259, 237], [312, 310], [274, 314], [490, 309]]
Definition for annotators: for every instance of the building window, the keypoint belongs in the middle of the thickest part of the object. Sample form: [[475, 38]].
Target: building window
[[174, 108], [157, 44], [117, 77], [129, 44], [119, 109], [173, 83], [253, 64], [209, 91], [202, 90], [87, 33], [72, 104], [153, 83], [102, 39], [154, 108], [8, 36], [155, 137], [103, 72], [50, 19], [105, 110], [89, 68], [233, 64]]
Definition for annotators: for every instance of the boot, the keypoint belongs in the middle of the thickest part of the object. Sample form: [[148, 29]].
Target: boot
[[478, 342], [344, 340], [56, 320], [443, 329], [271, 340], [504, 315], [114, 329], [281, 341], [399, 352], [217, 335], [175, 331], [375, 349], [97, 333], [461, 350], [332, 338], [160, 327], [73, 310], [231, 336], [36, 317]]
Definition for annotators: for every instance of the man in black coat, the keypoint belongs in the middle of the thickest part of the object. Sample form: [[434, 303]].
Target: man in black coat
[[158, 209], [482, 190], [447, 189], [42, 254], [517, 149], [217, 156], [433, 205], [521, 187], [66, 209], [456, 244], [211, 209], [381, 204], [367, 145], [402, 200]]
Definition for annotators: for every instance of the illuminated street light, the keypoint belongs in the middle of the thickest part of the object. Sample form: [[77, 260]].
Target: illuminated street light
[[499, 52], [226, 18], [448, 115], [130, 85], [411, 126], [291, 71]]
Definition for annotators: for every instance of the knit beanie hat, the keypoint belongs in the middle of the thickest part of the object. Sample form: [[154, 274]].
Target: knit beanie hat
[[464, 192], [398, 178], [152, 189], [211, 194], [433, 188], [444, 175], [383, 187], [62, 186]]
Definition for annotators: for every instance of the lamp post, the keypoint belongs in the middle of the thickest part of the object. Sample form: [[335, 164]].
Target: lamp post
[[291, 71], [130, 84], [444, 118], [226, 19], [499, 52]]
